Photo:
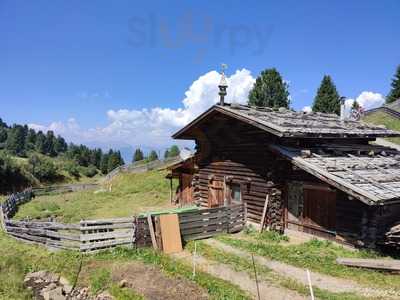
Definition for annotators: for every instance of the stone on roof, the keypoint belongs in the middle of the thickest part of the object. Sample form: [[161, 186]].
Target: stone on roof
[[289, 123], [370, 173]]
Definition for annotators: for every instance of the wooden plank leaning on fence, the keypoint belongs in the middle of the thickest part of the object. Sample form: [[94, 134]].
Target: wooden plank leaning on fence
[[152, 233], [264, 214]]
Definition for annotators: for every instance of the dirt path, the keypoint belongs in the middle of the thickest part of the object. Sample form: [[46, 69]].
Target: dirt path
[[242, 279], [150, 282], [325, 282]]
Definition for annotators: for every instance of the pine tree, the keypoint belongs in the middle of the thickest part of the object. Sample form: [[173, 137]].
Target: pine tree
[[153, 156], [104, 164], [16, 140], [114, 160], [394, 93], [3, 135], [3, 124], [166, 154], [270, 90], [49, 143], [138, 155], [355, 105], [174, 151], [30, 140], [327, 99], [60, 146], [40, 142]]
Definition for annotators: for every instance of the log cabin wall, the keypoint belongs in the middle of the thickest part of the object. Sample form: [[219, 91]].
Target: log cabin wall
[[236, 154], [377, 220]]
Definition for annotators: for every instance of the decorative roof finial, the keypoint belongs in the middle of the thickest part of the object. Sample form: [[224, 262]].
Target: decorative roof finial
[[223, 85]]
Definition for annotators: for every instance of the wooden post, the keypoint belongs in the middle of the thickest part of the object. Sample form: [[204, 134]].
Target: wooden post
[[152, 234], [170, 190], [3, 225], [264, 213]]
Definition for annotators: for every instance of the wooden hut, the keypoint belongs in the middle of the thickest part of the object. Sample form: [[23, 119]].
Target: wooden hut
[[320, 172], [182, 170]]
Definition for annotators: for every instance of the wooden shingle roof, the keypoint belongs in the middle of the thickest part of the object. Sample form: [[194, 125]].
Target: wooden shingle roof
[[370, 174], [287, 123]]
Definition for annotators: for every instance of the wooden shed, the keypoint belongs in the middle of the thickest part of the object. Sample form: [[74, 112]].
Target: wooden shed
[[321, 173], [183, 170]]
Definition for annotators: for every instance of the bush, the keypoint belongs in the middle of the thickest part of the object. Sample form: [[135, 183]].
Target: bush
[[12, 176], [42, 168], [90, 171], [72, 169]]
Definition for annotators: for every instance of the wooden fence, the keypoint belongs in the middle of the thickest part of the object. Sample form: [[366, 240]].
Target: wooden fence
[[141, 166], [60, 189], [95, 235], [209, 222]]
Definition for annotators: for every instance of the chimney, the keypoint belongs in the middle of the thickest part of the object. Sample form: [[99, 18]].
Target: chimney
[[342, 101], [222, 86]]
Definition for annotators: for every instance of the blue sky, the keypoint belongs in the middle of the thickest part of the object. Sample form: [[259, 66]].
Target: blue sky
[[88, 68]]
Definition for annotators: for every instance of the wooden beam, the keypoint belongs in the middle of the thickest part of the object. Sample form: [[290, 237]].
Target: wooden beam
[[264, 212], [379, 264]]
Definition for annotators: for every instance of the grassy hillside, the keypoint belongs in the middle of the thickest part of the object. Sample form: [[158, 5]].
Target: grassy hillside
[[130, 194], [382, 118]]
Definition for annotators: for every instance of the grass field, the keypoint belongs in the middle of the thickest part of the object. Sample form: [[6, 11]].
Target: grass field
[[129, 195], [381, 118], [316, 255]]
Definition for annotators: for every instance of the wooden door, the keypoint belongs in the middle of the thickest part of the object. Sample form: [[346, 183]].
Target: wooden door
[[187, 191], [216, 193], [320, 208]]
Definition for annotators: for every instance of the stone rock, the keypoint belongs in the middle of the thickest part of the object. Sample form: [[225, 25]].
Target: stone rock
[[123, 283], [55, 294], [64, 281], [104, 296], [38, 274], [39, 280], [50, 277], [50, 287], [67, 288]]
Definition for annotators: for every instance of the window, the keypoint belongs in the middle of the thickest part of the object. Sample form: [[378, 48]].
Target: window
[[236, 193]]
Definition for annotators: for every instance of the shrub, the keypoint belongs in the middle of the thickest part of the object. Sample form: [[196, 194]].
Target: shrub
[[72, 169], [42, 168], [90, 171], [12, 176]]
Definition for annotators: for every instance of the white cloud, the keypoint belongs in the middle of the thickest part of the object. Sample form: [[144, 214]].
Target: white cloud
[[367, 100], [153, 127], [307, 109]]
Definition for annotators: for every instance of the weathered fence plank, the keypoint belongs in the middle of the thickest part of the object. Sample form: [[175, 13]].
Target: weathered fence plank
[[95, 235]]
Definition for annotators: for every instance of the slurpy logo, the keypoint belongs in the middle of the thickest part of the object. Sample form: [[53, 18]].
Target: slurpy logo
[[200, 34]]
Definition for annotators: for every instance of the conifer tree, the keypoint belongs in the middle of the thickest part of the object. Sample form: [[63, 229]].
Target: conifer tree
[[153, 155], [104, 164], [3, 135], [60, 146], [30, 140], [16, 140], [174, 151], [3, 124], [166, 154], [394, 93], [270, 90], [327, 99], [138, 155], [49, 143], [40, 142]]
